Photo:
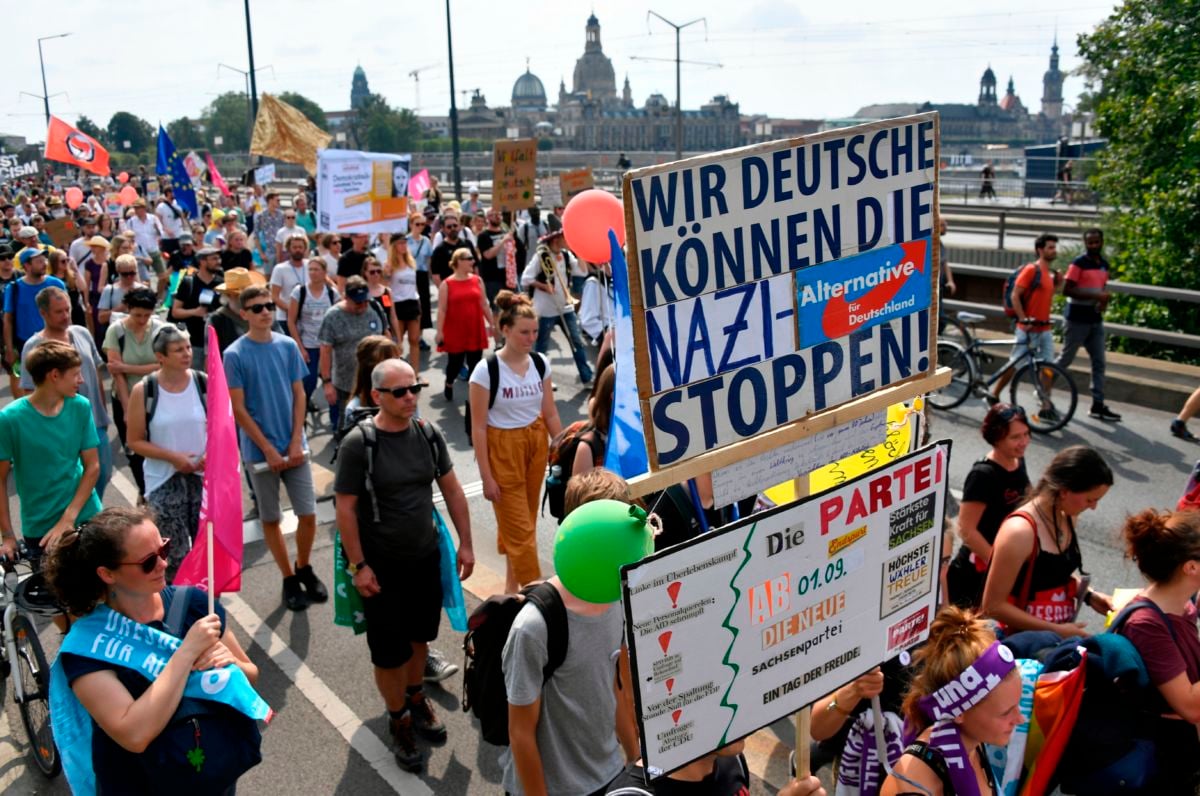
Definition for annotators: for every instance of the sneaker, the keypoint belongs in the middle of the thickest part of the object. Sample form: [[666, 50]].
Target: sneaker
[[424, 720], [404, 747], [1048, 415], [464, 374], [251, 513], [438, 668], [448, 391], [1102, 412], [1179, 429], [424, 346], [313, 588], [293, 594]]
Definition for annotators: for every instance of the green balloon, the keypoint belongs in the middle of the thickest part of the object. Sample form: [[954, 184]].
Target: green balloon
[[594, 542]]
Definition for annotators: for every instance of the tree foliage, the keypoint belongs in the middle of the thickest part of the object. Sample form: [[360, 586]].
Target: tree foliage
[[124, 126], [186, 134], [228, 118], [88, 127], [1143, 69], [312, 111], [378, 127]]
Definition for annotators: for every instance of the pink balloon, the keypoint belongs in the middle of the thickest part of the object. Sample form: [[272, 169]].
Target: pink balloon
[[74, 197], [127, 196], [586, 222], [123, 177]]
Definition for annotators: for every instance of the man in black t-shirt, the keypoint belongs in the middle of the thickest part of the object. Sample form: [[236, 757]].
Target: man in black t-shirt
[[351, 262], [491, 255], [196, 297], [452, 240], [396, 561]]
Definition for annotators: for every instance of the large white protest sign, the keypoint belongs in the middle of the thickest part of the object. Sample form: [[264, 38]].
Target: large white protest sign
[[781, 280], [740, 627], [264, 175], [365, 192], [11, 167]]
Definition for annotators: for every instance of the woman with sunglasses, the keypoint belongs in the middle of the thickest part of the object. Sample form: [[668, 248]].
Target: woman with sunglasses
[[1032, 582], [114, 566], [995, 486], [464, 321], [421, 250], [169, 430], [381, 296], [329, 249]]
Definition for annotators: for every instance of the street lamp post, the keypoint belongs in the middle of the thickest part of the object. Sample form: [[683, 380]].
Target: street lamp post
[[42, 62], [453, 112], [678, 93]]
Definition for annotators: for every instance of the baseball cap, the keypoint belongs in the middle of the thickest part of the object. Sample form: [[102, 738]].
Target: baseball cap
[[27, 232], [29, 254], [6, 253], [207, 251], [358, 294], [186, 238]]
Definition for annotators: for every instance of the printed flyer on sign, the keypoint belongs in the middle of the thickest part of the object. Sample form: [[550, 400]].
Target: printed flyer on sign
[[743, 626], [365, 192], [778, 281]]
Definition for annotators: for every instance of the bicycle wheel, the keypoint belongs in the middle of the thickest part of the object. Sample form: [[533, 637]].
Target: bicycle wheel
[[1047, 394], [962, 376], [954, 331], [30, 666]]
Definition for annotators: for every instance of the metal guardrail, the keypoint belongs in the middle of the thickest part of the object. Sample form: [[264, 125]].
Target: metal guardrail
[[1162, 336], [1065, 222]]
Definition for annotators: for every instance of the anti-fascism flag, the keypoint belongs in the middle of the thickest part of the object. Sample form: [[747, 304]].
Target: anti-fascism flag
[[67, 145], [284, 133]]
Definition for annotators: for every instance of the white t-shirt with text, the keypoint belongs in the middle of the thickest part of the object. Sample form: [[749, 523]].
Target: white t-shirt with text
[[518, 399]]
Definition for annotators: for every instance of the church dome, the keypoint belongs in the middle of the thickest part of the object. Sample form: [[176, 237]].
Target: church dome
[[528, 93], [989, 77]]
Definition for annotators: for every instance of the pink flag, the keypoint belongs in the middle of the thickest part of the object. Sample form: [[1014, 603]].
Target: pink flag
[[215, 175], [418, 184], [222, 501]]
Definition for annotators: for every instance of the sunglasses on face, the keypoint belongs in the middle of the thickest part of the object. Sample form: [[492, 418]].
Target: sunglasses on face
[[127, 273], [400, 392], [374, 272], [257, 308], [150, 562]]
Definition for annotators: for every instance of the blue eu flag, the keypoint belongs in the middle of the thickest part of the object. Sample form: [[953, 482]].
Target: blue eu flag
[[169, 162]]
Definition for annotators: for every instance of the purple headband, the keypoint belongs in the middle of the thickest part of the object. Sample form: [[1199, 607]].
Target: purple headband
[[965, 691]]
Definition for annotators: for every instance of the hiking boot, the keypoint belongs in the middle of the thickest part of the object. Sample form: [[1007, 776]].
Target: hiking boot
[[1179, 429], [314, 589], [1102, 412], [293, 594], [1047, 415], [423, 719], [404, 742], [438, 668]]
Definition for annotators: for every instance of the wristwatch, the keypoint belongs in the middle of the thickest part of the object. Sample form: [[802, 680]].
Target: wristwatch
[[834, 707], [354, 568]]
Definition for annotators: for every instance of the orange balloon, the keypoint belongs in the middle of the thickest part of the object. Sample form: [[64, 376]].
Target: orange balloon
[[127, 196], [74, 197], [123, 177], [586, 222]]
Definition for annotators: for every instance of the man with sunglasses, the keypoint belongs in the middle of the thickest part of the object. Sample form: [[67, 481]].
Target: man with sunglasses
[[266, 386], [49, 440], [385, 514], [452, 241]]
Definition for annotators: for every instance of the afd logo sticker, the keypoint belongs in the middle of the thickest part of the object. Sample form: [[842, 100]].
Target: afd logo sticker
[[845, 296]]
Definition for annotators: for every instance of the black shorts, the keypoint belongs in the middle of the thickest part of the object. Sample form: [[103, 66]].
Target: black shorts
[[408, 310], [408, 608]]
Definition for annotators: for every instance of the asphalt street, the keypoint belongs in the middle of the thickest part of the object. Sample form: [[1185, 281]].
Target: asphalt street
[[330, 731]]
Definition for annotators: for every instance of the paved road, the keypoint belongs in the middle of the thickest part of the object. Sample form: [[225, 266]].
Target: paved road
[[330, 731]]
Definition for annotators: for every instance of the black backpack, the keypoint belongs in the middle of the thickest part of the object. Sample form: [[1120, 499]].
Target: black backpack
[[484, 692], [1011, 283]]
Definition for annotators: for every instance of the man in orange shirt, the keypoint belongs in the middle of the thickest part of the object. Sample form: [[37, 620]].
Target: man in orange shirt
[[1032, 295]]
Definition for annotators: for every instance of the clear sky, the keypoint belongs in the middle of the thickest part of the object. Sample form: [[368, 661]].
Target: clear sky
[[778, 57]]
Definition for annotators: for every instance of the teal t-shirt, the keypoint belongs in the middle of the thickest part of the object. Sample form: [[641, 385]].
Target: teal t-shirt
[[44, 452]]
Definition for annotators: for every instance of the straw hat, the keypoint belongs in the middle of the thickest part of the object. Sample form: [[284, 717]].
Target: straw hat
[[98, 241], [238, 279]]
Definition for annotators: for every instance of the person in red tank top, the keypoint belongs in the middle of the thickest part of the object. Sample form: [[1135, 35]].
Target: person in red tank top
[[464, 320]]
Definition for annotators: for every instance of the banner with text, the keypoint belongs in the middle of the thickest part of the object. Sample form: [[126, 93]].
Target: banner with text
[[514, 174], [777, 281], [575, 182], [740, 627], [11, 167], [363, 192]]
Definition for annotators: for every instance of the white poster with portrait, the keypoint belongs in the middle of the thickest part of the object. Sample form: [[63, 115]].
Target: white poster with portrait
[[364, 192]]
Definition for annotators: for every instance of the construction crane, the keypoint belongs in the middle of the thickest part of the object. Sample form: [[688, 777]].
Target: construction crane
[[416, 76]]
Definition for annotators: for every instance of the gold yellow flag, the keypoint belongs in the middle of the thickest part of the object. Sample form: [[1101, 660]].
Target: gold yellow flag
[[282, 132]]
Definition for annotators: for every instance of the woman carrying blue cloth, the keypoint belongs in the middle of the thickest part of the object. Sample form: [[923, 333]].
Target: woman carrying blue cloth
[[167, 689]]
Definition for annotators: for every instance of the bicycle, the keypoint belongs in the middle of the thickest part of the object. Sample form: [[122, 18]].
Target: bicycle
[[21, 649], [1041, 387]]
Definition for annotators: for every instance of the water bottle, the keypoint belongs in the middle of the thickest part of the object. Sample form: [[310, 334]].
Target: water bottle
[[555, 475]]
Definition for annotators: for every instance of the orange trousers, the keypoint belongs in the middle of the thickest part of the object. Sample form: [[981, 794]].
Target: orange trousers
[[518, 460]]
